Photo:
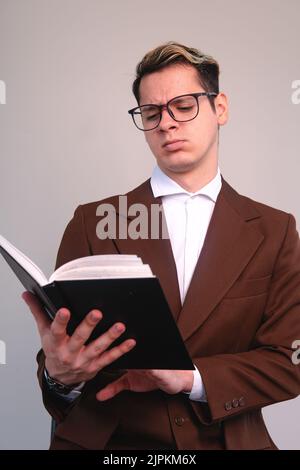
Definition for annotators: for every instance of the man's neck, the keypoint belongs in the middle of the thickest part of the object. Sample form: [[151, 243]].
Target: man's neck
[[194, 180]]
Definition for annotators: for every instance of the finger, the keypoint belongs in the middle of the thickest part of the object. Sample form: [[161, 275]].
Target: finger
[[113, 389], [84, 330], [43, 323], [113, 354], [100, 344], [59, 325]]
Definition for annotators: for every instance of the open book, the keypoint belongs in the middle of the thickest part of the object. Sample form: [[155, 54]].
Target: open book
[[124, 289]]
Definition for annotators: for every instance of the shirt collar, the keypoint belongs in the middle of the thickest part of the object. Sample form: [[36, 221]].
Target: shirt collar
[[163, 185]]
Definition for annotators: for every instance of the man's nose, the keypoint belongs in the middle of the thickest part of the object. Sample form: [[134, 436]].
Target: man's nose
[[166, 122]]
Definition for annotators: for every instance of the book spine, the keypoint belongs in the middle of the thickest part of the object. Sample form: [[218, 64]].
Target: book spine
[[55, 298]]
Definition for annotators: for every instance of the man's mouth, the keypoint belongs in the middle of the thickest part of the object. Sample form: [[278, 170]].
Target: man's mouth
[[173, 145]]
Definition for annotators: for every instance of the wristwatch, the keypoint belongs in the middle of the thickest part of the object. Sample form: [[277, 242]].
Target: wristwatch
[[58, 387]]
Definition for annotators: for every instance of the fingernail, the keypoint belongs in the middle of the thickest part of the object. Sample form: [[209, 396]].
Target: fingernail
[[131, 343], [63, 314], [119, 327], [96, 315]]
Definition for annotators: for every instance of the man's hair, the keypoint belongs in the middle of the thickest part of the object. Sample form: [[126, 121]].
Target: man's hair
[[172, 53]]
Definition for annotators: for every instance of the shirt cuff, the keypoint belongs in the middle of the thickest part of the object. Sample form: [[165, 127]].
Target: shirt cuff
[[198, 391], [70, 397]]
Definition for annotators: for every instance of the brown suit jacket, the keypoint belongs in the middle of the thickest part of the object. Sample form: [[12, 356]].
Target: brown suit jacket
[[239, 320]]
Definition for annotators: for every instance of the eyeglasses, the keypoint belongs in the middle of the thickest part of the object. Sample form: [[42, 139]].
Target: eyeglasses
[[182, 108]]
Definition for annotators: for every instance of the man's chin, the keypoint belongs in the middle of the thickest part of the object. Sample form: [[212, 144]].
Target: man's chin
[[176, 165]]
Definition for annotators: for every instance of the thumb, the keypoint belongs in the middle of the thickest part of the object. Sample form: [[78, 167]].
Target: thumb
[[113, 388]]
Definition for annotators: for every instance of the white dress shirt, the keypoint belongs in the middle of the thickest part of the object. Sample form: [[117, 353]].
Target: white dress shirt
[[187, 216]]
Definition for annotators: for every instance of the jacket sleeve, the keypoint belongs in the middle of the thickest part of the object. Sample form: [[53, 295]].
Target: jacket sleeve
[[266, 374], [74, 245]]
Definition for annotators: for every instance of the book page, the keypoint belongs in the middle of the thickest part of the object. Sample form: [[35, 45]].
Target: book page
[[106, 272], [98, 260], [24, 261], [103, 266]]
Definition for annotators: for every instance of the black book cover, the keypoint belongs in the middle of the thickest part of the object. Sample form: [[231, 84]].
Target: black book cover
[[137, 302]]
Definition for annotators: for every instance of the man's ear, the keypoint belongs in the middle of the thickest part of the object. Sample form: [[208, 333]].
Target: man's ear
[[221, 106]]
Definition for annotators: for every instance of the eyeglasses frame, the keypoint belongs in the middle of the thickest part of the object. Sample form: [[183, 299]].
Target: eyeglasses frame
[[161, 107]]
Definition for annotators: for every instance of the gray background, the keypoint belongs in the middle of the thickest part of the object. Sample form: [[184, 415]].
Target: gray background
[[66, 138]]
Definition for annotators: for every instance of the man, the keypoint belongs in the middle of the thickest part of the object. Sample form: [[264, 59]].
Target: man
[[230, 272]]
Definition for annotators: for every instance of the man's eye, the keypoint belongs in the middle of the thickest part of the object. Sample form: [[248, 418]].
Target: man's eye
[[151, 117], [184, 108]]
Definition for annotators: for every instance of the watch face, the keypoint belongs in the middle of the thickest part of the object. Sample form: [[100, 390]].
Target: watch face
[[56, 386], [62, 389]]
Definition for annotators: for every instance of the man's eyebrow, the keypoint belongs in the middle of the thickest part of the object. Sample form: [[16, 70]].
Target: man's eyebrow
[[161, 104], [149, 103]]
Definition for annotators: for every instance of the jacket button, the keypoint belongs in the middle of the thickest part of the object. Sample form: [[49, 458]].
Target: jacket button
[[242, 401], [228, 406], [179, 420], [235, 403]]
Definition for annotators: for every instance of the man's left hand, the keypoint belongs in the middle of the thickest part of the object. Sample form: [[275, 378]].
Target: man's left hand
[[170, 381]]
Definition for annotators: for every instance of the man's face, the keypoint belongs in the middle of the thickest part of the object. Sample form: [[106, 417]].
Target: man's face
[[194, 144]]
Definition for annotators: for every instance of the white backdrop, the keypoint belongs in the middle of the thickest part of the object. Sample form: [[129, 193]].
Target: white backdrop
[[66, 68]]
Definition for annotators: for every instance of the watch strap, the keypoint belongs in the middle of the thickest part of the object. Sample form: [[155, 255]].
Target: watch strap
[[58, 387]]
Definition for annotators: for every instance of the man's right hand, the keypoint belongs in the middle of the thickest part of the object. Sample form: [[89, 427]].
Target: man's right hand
[[68, 360]]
